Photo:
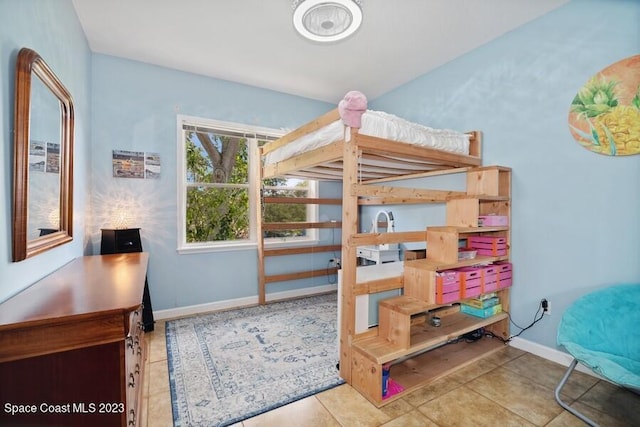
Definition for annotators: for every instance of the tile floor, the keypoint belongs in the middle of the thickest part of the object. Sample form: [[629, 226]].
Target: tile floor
[[508, 388]]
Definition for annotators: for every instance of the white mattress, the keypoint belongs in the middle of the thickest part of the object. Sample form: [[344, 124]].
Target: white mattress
[[382, 125]]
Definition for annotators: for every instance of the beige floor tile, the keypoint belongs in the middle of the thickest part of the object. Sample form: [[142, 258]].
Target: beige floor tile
[[411, 419], [616, 401], [307, 412], [567, 419], [397, 408], [144, 410], [465, 407], [145, 378], [158, 377], [519, 394], [157, 346], [350, 408], [159, 413], [549, 374], [431, 391], [157, 349]]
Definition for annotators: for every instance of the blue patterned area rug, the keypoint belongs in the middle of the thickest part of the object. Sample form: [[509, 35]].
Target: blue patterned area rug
[[228, 366]]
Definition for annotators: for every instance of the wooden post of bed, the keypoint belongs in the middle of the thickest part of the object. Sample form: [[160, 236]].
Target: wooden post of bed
[[258, 215], [349, 259]]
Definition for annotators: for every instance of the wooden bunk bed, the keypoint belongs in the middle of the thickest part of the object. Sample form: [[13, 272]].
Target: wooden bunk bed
[[358, 160]]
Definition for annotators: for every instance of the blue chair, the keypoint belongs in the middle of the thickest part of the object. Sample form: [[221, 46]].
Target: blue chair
[[601, 330]]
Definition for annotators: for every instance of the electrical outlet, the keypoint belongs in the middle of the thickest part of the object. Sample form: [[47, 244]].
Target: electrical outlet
[[546, 306]]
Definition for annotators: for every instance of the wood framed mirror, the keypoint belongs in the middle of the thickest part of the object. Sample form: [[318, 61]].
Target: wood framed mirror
[[43, 159]]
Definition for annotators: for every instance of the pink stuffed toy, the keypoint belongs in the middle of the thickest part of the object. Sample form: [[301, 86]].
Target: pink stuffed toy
[[352, 107]]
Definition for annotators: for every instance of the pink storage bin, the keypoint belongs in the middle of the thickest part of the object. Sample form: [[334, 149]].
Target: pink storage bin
[[488, 240], [505, 282], [470, 281], [505, 272], [491, 252], [488, 246], [447, 286], [468, 273], [489, 286], [489, 273], [447, 298], [493, 221], [471, 292]]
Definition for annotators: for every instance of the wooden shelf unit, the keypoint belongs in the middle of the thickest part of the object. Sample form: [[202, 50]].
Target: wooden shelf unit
[[418, 352]]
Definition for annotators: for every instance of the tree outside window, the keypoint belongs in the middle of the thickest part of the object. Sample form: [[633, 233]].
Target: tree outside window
[[217, 193]]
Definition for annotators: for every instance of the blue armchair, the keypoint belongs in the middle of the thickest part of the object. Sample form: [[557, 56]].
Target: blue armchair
[[601, 330]]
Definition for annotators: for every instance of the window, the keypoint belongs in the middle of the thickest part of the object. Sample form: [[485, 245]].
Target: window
[[217, 194]]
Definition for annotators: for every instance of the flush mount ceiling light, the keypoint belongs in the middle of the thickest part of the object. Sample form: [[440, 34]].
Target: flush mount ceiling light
[[327, 20]]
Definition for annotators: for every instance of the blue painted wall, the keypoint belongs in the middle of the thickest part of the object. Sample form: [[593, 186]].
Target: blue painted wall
[[134, 108], [575, 213], [51, 28]]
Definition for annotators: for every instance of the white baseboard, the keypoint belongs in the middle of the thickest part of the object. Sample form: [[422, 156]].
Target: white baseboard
[[191, 310], [549, 353]]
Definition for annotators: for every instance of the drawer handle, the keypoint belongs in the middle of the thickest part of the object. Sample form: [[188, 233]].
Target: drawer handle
[[132, 417], [137, 370], [132, 380], [130, 342], [139, 351]]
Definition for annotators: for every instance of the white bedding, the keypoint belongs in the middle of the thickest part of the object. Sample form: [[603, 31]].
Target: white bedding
[[382, 125]]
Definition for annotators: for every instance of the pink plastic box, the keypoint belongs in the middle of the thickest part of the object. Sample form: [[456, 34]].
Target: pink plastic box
[[447, 286], [490, 286], [493, 221], [489, 278], [472, 292], [488, 246], [505, 271], [470, 281], [448, 297]]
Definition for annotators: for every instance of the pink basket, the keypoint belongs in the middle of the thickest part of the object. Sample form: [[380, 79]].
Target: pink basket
[[472, 292], [447, 286], [488, 246], [489, 286], [448, 297], [505, 274], [493, 221]]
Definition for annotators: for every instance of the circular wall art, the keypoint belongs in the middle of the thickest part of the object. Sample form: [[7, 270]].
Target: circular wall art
[[605, 114]]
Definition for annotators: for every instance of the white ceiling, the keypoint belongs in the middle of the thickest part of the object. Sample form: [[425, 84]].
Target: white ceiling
[[253, 41]]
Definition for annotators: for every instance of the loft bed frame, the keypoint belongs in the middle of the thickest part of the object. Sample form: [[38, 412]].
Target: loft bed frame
[[357, 160]]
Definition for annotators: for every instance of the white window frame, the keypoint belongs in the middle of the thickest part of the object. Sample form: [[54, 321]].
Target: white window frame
[[252, 134]]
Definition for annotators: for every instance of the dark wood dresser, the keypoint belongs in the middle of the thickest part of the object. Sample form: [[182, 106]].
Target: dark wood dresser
[[72, 347]]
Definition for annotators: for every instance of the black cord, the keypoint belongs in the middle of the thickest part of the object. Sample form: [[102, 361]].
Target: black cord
[[536, 319], [514, 323], [330, 276], [492, 335]]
